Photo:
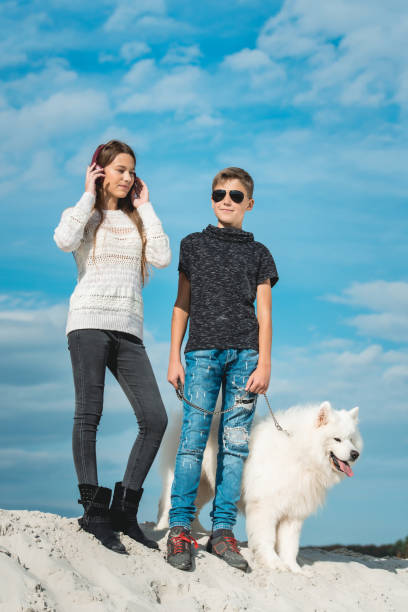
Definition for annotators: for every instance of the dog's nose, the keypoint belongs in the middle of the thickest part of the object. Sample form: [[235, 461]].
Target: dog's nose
[[354, 455]]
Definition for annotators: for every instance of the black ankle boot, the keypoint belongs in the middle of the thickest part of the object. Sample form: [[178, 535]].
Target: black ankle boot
[[96, 518], [125, 504]]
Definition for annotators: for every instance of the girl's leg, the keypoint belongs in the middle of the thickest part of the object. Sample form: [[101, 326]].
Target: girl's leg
[[131, 367], [89, 349]]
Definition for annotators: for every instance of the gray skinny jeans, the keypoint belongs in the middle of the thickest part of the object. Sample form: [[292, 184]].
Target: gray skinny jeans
[[92, 350]]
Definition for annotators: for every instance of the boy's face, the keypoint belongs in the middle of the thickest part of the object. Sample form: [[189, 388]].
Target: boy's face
[[228, 212]]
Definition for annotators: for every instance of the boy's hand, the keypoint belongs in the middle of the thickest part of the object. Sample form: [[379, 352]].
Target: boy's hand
[[175, 373], [258, 382]]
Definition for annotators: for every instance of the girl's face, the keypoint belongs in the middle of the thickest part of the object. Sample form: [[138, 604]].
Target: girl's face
[[119, 176]]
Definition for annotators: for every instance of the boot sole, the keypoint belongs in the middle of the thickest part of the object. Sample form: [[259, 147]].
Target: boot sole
[[106, 545], [153, 546]]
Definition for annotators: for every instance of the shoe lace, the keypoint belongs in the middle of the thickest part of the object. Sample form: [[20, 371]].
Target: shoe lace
[[231, 541], [178, 542]]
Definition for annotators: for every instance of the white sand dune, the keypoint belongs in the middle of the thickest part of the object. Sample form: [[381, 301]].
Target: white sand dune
[[47, 564]]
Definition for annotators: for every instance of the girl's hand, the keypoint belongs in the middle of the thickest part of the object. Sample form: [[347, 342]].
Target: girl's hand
[[258, 382], [93, 172], [175, 373], [140, 193]]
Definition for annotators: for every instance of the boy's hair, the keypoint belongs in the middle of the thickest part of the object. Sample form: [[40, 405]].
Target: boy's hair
[[235, 173]]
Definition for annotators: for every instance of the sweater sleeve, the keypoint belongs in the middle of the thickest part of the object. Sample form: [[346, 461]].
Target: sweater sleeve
[[69, 233], [157, 243]]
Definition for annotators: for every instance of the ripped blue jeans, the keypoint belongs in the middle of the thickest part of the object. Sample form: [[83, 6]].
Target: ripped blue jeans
[[206, 372]]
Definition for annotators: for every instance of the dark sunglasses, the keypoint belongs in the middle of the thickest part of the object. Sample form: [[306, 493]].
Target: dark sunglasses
[[235, 195]]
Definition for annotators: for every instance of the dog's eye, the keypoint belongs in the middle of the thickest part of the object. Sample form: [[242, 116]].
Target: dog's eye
[[337, 439]]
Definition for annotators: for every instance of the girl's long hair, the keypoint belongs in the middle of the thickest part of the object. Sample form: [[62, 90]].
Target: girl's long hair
[[104, 157]]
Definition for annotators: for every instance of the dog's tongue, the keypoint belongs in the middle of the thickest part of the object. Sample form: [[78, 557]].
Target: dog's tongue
[[345, 467]]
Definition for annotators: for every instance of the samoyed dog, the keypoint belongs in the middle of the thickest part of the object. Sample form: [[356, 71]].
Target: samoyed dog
[[285, 479]]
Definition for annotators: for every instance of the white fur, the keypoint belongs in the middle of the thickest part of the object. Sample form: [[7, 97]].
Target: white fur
[[285, 478]]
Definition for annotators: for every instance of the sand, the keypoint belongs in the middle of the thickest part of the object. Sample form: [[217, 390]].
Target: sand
[[47, 564]]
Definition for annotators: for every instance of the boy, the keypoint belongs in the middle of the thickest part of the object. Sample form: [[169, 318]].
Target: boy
[[221, 272]]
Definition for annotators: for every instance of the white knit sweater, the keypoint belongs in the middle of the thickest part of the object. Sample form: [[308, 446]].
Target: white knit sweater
[[108, 294]]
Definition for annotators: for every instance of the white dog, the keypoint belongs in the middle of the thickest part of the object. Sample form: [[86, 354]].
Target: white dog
[[285, 478]]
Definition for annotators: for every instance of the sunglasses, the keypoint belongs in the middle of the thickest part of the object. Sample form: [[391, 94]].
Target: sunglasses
[[236, 196]]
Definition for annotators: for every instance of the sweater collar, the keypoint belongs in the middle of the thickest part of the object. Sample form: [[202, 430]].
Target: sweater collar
[[117, 212], [230, 234]]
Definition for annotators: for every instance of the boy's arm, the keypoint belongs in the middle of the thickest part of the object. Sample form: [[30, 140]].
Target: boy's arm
[[179, 320], [258, 382]]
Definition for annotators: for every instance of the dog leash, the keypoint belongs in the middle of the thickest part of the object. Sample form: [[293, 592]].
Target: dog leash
[[279, 427], [182, 398]]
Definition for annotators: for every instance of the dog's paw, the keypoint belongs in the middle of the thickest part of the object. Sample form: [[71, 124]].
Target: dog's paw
[[273, 564], [162, 524], [297, 569]]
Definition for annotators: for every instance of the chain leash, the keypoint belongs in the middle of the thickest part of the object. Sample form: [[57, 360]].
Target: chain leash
[[279, 427], [182, 398]]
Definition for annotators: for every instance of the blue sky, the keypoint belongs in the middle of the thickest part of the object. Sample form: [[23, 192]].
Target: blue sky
[[311, 99]]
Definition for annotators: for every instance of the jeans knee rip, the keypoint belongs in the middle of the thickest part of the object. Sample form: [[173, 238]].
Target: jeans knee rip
[[236, 436], [187, 449], [189, 459], [245, 401]]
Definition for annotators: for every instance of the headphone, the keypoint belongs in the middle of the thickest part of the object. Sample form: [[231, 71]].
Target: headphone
[[96, 154]]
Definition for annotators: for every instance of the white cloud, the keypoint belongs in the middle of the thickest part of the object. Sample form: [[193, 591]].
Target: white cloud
[[369, 376], [401, 97], [134, 49], [265, 78], [182, 55], [55, 74], [181, 90], [247, 59], [140, 73], [351, 52], [204, 122], [388, 300], [396, 372], [348, 372], [62, 112], [106, 58], [34, 361], [27, 325], [349, 162], [161, 26], [28, 33], [376, 295], [388, 326], [146, 18], [348, 360], [42, 173], [128, 11], [12, 59]]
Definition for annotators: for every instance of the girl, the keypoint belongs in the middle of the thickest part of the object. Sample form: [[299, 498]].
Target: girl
[[114, 233]]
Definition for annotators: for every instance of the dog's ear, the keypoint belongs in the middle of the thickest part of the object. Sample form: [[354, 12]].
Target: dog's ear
[[323, 416], [354, 413]]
